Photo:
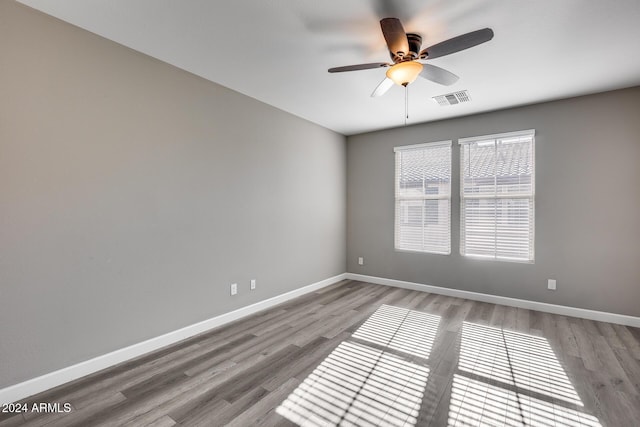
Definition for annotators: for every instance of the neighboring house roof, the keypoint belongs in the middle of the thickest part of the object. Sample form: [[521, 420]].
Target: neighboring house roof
[[513, 160]]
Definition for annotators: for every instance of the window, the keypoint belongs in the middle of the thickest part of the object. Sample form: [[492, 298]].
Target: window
[[423, 198], [497, 188]]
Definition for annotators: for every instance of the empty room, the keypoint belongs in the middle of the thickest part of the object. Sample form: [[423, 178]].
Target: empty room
[[303, 213]]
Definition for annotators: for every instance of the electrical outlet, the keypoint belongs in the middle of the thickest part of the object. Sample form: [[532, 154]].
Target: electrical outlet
[[234, 288], [551, 284], [360, 261], [253, 284]]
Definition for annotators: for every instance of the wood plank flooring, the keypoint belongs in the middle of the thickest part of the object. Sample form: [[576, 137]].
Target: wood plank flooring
[[361, 354]]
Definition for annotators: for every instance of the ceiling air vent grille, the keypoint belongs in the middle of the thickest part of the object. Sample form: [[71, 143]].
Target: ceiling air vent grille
[[452, 98]]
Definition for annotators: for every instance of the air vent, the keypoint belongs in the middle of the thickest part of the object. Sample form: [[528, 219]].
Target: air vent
[[452, 98]]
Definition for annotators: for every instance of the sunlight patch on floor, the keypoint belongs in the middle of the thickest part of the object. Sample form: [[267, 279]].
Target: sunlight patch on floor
[[371, 381], [379, 375], [409, 331], [507, 378]]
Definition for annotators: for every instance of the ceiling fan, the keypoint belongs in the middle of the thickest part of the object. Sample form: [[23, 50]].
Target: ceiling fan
[[405, 52]]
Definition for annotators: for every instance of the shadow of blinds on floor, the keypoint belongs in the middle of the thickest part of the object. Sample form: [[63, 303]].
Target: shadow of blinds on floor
[[512, 379], [376, 378]]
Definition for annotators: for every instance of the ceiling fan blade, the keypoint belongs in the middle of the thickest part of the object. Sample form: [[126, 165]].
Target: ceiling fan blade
[[383, 87], [457, 44], [358, 67], [438, 75], [395, 36]]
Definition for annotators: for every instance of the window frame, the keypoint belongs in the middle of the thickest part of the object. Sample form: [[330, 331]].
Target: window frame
[[398, 198], [496, 197]]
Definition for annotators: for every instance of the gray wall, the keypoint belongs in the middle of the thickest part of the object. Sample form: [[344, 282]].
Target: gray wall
[[133, 193], [587, 205]]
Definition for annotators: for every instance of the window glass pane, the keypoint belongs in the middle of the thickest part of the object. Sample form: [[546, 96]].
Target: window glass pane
[[514, 165], [420, 170], [497, 197], [409, 220], [423, 198], [479, 167], [423, 225], [437, 225], [479, 227], [411, 174], [513, 228]]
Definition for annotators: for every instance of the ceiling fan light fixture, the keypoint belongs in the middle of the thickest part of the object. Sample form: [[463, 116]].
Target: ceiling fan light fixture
[[404, 73]]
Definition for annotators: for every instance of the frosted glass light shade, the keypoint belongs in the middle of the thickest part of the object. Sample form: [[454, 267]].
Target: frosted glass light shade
[[405, 72]]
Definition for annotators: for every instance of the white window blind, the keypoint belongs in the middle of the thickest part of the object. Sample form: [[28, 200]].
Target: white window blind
[[423, 197], [497, 190]]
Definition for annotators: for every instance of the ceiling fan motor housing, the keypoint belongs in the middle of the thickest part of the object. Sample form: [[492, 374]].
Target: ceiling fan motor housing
[[415, 43]]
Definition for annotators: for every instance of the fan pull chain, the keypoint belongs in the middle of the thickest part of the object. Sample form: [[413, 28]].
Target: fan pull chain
[[406, 104]]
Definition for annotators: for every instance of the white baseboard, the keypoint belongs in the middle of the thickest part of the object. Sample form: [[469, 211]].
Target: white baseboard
[[53, 379], [601, 316], [39, 384]]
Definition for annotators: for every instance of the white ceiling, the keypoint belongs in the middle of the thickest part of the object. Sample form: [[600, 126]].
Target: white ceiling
[[278, 51]]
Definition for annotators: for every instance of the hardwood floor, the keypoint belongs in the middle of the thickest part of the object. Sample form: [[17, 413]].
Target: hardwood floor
[[362, 354]]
